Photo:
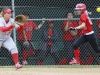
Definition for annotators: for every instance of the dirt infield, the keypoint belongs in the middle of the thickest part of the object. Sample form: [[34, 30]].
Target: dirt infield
[[50, 71]]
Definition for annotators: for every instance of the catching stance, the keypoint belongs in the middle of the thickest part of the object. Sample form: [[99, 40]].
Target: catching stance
[[6, 26], [87, 33]]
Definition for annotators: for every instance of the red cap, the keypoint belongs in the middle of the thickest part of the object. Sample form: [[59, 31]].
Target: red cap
[[7, 11]]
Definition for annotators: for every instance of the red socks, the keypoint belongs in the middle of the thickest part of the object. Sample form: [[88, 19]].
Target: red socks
[[62, 62], [15, 57], [39, 63], [77, 55], [90, 60], [25, 54], [31, 52]]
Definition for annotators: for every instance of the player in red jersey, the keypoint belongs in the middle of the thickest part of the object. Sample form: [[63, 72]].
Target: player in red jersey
[[87, 33], [25, 37], [68, 36]]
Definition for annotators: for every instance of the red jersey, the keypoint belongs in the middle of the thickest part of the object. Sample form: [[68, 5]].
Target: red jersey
[[28, 27], [98, 23], [84, 18], [67, 34], [50, 33]]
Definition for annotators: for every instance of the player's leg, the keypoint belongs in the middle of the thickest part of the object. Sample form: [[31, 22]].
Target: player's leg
[[26, 48], [77, 43], [31, 51], [14, 52], [56, 58], [69, 51], [92, 40], [42, 55], [1, 42], [27, 52]]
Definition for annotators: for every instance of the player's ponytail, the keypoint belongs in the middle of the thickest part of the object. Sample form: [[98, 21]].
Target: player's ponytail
[[87, 12]]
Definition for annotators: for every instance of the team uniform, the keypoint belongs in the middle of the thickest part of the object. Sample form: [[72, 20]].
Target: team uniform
[[27, 49], [68, 39], [6, 26], [5, 39], [87, 35]]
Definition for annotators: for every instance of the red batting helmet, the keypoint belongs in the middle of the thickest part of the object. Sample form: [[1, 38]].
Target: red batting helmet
[[81, 6]]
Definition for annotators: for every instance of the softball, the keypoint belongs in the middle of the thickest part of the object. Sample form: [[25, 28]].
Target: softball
[[98, 9]]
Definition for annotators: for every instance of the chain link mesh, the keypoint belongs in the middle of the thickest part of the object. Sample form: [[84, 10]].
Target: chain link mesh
[[51, 10]]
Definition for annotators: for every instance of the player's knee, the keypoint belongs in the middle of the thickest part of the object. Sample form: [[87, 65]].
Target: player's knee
[[75, 46], [14, 50]]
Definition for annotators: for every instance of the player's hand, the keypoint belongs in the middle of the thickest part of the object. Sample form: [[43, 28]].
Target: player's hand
[[26, 43], [13, 25], [49, 36], [71, 28], [43, 20]]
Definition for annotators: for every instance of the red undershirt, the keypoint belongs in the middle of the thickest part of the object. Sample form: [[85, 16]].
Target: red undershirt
[[50, 33]]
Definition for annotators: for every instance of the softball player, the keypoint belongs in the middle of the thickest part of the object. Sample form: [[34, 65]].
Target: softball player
[[87, 33], [6, 26], [68, 36], [24, 39]]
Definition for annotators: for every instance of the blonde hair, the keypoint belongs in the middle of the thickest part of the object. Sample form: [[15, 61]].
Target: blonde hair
[[1, 14]]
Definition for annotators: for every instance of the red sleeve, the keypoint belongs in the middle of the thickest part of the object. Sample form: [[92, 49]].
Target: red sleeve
[[34, 25], [4, 29], [20, 28], [98, 23], [83, 18]]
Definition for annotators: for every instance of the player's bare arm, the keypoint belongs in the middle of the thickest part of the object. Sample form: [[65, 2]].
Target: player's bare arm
[[24, 34], [66, 27], [83, 25], [41, 24], [74, 33]]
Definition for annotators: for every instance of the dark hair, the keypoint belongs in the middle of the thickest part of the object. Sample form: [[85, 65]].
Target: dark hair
[[49, 21], [68, 12], [26, 13]]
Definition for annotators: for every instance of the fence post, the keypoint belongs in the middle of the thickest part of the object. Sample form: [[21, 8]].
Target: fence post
[[14, 31]]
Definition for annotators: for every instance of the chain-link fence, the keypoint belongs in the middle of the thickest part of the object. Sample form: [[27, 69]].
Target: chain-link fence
[[39, 50]]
